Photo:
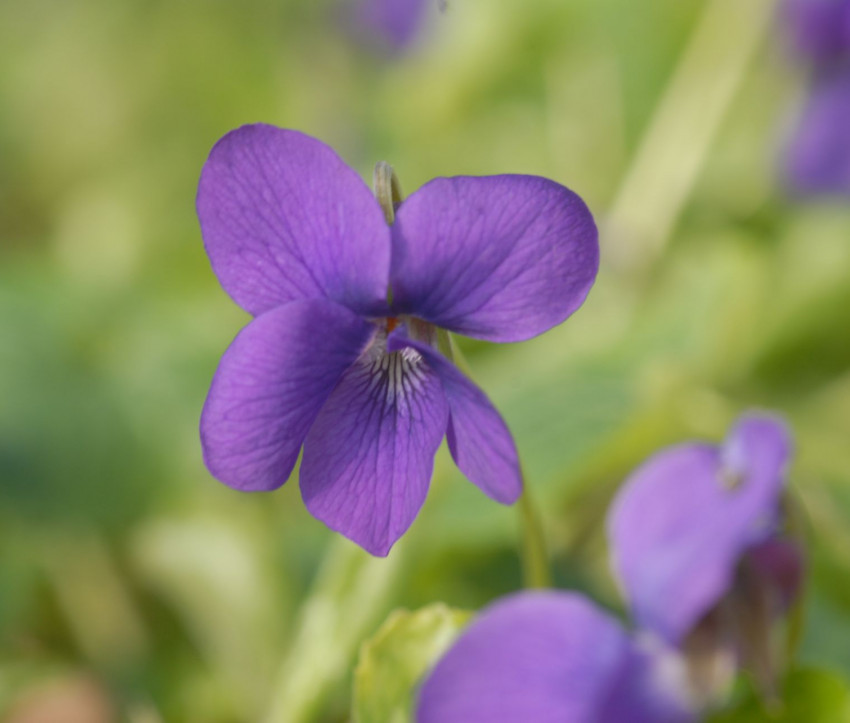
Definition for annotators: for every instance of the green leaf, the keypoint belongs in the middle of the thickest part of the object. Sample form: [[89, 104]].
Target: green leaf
[[393, 661], [349, 596], [809, 695]]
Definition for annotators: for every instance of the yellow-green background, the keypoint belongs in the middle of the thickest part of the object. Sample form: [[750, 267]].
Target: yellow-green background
[[125, 568]]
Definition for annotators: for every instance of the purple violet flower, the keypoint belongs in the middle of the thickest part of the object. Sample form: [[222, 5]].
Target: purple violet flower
[[551, 657], [820, 28], [818, 157], [298, 240], [697, 536], [393, 24]]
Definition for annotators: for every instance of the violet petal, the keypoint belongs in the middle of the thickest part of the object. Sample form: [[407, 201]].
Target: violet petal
[[683, 519], [369, 456], [501, 258], [546, 657], [270, 385], [651, 687], [284, 218], [479, 440]]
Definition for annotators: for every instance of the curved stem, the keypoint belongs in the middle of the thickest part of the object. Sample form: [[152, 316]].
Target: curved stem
[[535, 559]]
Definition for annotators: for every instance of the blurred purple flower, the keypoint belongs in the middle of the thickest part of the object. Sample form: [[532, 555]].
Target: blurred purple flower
[[820, 28], [818, 157], [297, 239], [392, 24], [551, 657], [698, 540]]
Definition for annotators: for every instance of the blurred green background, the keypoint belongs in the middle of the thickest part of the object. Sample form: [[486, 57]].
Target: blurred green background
[[135, 587]]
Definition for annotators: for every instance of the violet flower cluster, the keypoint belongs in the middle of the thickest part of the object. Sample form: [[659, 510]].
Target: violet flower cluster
[[818, 160], [352, 297], [698, 540], [341, 357]]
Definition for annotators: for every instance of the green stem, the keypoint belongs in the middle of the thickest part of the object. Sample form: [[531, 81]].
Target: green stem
[[535, 560]]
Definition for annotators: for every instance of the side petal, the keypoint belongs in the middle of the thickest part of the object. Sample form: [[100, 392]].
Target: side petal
[[502, 258], [369, 456], [546, 657], [682, 521], [284, 218], [479, 440], [818, 158], [270, 385]]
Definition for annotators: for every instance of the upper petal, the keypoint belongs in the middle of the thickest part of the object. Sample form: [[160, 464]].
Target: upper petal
[[819, 153], [479, 440], [502, 258], [682, 521], [369, 456], [546, 657], [270, 385], [284, 218]]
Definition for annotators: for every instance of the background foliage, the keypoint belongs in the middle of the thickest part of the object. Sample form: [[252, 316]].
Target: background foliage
[[140, 589]]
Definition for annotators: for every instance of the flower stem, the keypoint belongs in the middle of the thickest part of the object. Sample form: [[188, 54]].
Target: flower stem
[[797, 525], [535, 560]]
